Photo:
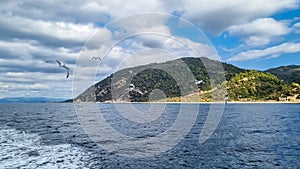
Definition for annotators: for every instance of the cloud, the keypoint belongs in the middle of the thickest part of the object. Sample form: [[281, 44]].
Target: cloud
[[296, 28], [24, 50], [140, 49], [216, 16], [79, 11], [24, 71], [49, 33], [35, 84], [153, 45], [33, 31], [260, 31], [268, 52], [3, 86]]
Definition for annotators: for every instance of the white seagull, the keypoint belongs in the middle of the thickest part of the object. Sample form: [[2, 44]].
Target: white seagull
[[132, 88], [197, 82], [139, 91], [60, 64], [95, 58]]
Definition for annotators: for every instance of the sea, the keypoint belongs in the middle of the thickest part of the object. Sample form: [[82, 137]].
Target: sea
[[58, 135]]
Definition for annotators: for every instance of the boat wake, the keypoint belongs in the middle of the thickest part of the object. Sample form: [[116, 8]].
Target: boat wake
[[24, 150]]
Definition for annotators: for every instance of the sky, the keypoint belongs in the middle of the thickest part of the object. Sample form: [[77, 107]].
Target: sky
[[257, 34]]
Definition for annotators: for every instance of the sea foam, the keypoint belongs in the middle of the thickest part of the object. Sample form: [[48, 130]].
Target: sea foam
[[19, 149]]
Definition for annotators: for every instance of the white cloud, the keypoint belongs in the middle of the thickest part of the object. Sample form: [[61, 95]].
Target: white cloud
[[260, 31], [51, 10], [144, 23], [24, 50], [79, 11], [156, 46], [28, 87], [35, 84], [216, 16], [213, 15], [137, 50], [118, 8], [34, 31], [296, 28], [58, 32], [23, 69], [268, 52], [3, 86], [199, 49]]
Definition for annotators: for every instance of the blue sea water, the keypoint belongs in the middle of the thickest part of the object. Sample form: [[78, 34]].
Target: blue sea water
[[50, 135]]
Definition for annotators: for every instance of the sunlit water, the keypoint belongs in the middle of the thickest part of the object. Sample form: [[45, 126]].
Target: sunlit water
[[248, 136]]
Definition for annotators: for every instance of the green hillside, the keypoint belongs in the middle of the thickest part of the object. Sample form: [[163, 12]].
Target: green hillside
[[241, 84], [255, 85], [155, 76], [287, 73]]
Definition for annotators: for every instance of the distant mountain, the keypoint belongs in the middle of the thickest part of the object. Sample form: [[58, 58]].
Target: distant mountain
[[287, 73], [30, 100], [148, 78]]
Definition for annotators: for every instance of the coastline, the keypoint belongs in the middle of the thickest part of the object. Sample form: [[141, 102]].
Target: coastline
[[264, 102], [216, 102]]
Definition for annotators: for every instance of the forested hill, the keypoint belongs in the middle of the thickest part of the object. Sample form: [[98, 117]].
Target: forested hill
[[287, 73], [138, 83], [255, 85], [149, 77]]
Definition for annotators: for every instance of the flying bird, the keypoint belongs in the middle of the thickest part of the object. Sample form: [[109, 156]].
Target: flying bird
[[60, 64], [95, 58]]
